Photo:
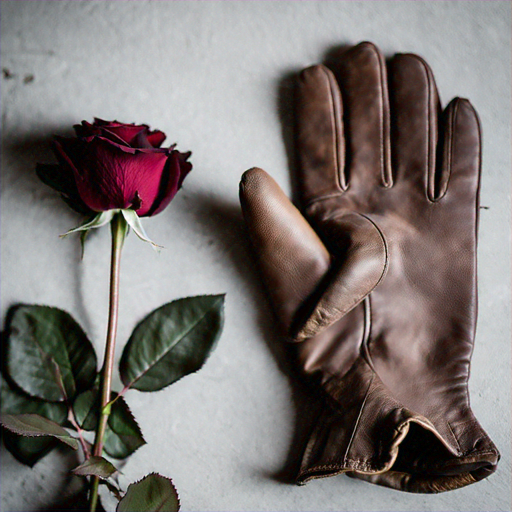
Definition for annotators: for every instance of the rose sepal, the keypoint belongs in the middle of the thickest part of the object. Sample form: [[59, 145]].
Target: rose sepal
[[103, 218], [133, 220]]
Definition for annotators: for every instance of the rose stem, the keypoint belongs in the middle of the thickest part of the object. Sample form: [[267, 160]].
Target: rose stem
[[118, 227]]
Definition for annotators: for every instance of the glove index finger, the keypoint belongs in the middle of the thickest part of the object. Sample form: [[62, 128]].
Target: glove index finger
[[320, 143]]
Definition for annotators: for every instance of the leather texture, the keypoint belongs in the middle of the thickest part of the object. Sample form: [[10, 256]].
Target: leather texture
[[375, 281]]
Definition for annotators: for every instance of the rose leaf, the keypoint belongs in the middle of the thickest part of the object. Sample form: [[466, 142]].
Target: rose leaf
[[29, 450], [153, 493], [171, 342], [95, 466], [34, 425], [85, 409], [48, 354], [123, 435]]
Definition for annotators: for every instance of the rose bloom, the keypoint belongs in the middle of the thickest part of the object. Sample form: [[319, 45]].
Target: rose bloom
[[111, 165]]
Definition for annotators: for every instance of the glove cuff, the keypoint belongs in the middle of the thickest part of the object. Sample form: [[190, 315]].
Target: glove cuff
[[362, 432]]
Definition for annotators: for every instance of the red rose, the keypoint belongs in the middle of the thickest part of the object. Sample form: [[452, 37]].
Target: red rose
[[116, 166]]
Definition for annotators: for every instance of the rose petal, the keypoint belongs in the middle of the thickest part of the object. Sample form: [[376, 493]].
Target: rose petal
[[101, 122], [87, 130], [113, 130], [141, 140], [131, 150], [168, 187], [134, 135], [128, 133], [121, 145], [156, 138], [111, 176], [59, 148], [185, 166], [173, 175], [62, 179]]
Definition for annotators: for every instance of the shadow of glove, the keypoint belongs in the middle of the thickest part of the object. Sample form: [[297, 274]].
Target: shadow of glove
[[378, 286]]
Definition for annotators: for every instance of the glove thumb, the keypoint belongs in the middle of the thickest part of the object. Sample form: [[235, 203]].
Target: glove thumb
[[308, 292], [292, 258], [359, 266]]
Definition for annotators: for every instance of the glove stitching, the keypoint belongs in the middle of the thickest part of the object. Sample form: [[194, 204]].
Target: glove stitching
[[336, 136], [384, 127], [459, 450], [449, 146], [374, 465], [356, 425], [449, 150], [431, 135], [386, 250], [431, 129]]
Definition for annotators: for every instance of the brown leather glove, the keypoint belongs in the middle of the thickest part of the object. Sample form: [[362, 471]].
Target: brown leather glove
[[378, 289]]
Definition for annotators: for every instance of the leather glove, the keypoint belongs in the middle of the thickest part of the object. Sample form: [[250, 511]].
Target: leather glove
[[378, 286]]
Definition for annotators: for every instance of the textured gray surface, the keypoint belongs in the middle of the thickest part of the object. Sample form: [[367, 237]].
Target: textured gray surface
[[214, 76]]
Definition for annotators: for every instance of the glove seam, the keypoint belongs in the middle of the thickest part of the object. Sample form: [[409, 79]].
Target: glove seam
[[459, 450], [385, 164], [373, 466], [335, 115], [356, 425], [386, 250], [431, 165], [448, 150], [449, 164]]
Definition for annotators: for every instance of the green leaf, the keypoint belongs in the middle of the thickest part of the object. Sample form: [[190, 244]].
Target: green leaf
[[123, 435], [33, 425], [95, 466], [154, 493], [29, 450], [48, 354], [17, 402], [171, 342], [85, 409]]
